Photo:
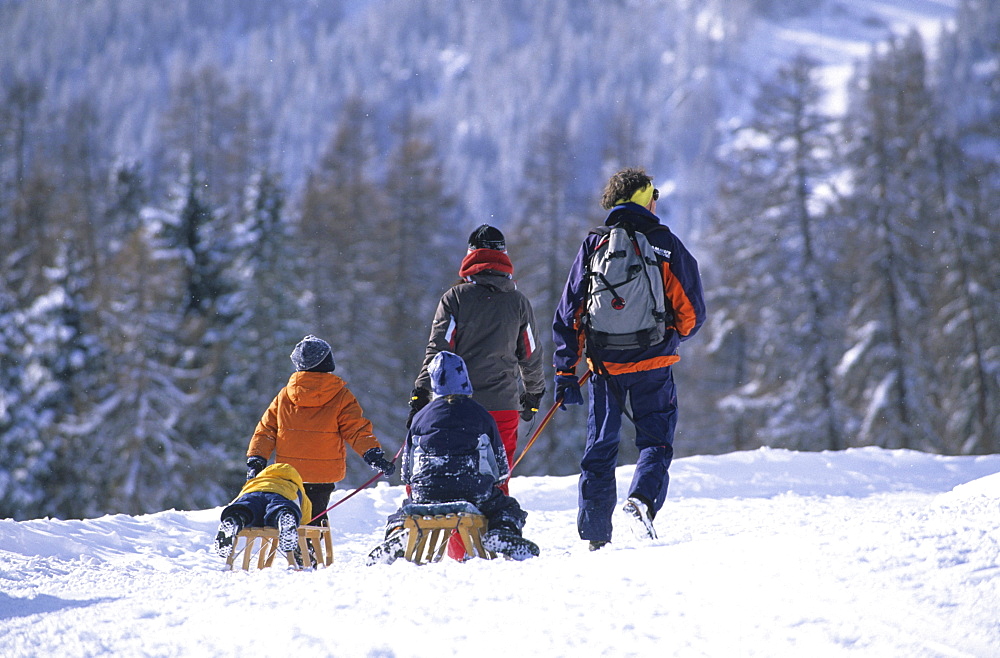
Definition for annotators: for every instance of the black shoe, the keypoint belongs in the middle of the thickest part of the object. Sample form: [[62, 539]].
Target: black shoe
[[597, 544], [393, 548], [226, 537], [288, 532], [511, 546]]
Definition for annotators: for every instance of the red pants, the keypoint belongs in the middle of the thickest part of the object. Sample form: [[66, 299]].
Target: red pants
[[507, 424]]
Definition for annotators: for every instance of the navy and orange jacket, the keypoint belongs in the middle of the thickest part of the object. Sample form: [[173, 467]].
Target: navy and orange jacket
[[309, 424], [681, 285]]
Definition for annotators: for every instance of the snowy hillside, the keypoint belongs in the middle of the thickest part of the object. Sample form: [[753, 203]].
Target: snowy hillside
[[768, 553], [841, 33], [495, 76]]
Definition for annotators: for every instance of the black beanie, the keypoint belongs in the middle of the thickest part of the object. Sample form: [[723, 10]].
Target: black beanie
[[487, 237]]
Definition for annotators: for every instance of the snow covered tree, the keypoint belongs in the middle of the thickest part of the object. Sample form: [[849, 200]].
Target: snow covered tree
[[885, 369], [265, 313], [417, 247], [774, 240], [966, 347], [549, 226], [149, 459], [340, 200], [64, 341]]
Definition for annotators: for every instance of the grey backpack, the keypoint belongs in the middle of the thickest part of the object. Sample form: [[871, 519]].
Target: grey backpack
[[624, 306]]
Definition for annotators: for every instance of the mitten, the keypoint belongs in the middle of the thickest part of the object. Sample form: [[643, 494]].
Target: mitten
[[254, 466], [376, 459], [529, 405], [568, 390], [419, 398]]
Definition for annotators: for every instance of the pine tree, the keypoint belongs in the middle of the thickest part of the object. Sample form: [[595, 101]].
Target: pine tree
[[151, 461], [775, 244], [965, 348], [418, 246], [885, 369], [266, 314], [65, 339], [549, 227]]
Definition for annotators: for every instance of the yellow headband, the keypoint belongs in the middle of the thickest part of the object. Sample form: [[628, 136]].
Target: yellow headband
[[642, 196]]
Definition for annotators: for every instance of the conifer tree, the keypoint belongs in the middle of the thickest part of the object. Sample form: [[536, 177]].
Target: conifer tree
[[549, 225], [886, 373], [966, 346], [417, 248], [340, 201], [264, 311], [774, 241]]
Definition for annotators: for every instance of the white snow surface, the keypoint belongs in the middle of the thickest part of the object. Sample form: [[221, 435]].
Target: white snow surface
[[865, 552]]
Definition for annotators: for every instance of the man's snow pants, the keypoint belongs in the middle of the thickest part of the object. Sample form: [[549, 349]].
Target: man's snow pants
[[652, 399]]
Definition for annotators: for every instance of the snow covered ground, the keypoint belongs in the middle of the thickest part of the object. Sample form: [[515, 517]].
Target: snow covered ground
[[767, 553]]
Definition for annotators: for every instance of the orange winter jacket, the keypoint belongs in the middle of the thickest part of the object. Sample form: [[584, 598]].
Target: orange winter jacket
[[308, 424]]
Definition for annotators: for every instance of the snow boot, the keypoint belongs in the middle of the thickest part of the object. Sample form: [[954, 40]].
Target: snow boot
[[638, 513], [288, 535], [391, 549], [511, 546], [597, 544], [226, 537]]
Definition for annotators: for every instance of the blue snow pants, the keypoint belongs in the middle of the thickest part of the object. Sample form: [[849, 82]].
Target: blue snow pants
[[652, 399], [258, 509]]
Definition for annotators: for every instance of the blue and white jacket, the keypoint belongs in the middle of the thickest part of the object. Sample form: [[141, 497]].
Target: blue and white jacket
[[453, 451]]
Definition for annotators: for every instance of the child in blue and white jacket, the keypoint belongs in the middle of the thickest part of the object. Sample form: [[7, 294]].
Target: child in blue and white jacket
[[453, 452]]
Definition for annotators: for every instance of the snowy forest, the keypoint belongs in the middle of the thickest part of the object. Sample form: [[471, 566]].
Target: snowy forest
[[188, 188]]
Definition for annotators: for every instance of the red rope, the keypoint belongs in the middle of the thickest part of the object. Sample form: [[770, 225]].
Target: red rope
[[373, 478], [545, 421]]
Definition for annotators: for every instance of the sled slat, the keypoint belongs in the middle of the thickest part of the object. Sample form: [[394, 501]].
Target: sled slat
[[315, 545], [429, 536]]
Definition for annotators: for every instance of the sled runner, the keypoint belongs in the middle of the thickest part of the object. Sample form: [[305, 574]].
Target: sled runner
[[315, 547], [431, 526]]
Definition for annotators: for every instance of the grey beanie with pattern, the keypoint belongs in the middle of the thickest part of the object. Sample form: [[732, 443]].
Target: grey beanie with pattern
[[313, 354]]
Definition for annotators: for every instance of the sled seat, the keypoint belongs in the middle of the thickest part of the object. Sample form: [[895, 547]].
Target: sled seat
[[431, 526], [315, 546]]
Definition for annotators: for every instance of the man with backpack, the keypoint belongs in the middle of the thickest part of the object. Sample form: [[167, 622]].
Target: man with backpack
[[633, 294]]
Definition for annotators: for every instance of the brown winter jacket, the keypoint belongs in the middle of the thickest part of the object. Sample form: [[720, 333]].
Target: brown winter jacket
[[491, 325], [308, 424]]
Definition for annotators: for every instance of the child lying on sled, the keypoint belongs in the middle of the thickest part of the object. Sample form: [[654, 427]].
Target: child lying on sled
[[453, 452], [275, 498]]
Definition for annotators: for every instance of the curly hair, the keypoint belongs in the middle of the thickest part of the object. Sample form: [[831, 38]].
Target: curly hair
[[623, 185]]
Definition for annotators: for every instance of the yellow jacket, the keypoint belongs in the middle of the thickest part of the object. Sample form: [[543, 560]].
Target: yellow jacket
[[308, 425], [284, 480]]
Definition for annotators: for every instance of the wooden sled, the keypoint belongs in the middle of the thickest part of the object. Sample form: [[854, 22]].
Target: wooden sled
[[430, 528], [315, 546]]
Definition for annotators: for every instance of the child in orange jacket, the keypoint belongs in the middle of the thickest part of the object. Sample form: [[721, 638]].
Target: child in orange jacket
[[309, 424]]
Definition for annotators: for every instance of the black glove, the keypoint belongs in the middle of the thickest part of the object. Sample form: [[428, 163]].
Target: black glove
[[376, 459], [419, 398], [254, 466], [568, 389], [529, 405]]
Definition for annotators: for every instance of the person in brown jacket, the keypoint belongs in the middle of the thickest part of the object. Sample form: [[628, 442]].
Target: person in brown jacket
[[487, 321], [309, 423]]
